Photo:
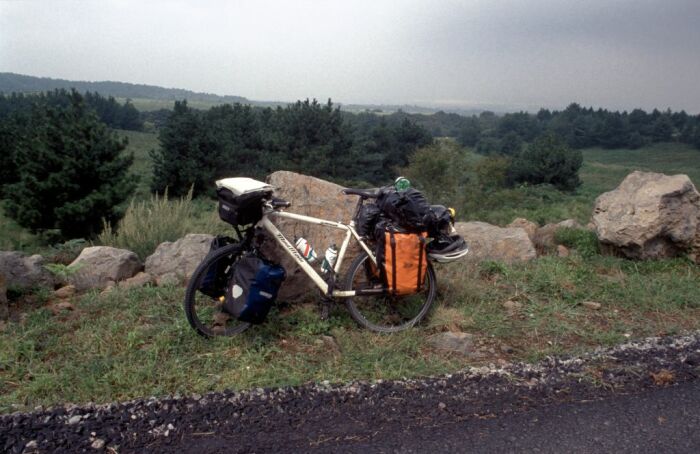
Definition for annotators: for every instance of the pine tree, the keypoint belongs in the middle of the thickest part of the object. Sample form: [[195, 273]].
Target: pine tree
[[71, 170]]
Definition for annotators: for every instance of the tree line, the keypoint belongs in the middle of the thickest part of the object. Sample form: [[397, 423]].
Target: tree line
[[579, 127], [109, 111], [198, 147]]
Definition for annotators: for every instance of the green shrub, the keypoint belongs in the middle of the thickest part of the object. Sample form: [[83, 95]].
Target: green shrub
[[148, 223], [439, 170], [582, 240], [547, 160]]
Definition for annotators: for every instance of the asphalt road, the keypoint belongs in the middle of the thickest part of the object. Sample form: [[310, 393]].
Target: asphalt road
[[661, 420]]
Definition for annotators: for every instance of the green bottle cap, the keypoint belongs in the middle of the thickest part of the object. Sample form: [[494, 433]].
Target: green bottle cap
[[402, 183]]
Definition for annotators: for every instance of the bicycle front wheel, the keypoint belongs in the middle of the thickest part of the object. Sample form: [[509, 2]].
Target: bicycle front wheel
[[205, 311], [386, 313]]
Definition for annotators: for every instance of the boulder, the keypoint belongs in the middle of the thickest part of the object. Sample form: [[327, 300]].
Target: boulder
[[522, 223], [4, 309], [649, 216], [24, 272], [490, 242], [544, 237], [311, 197], [174, 262], [97, 265]]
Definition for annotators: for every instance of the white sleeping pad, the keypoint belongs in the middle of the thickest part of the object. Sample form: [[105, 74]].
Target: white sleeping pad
[[243, 185]]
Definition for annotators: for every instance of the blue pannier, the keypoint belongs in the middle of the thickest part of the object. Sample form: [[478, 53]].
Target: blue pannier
[[253, 288]]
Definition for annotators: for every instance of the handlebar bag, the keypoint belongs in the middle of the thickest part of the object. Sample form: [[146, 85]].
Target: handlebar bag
[[253, 288], [241, 209], [402, 258]]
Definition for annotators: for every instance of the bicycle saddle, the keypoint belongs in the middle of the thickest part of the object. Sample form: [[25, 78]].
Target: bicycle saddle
[[365, 194]]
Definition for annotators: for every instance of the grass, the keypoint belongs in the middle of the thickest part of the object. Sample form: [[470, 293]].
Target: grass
[[132, 343], [140, 144], [14, 237]]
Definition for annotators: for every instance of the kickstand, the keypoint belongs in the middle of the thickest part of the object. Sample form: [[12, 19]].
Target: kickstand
[[325, 307]]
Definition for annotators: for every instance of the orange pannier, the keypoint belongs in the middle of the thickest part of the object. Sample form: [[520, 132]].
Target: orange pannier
[[405, 261]]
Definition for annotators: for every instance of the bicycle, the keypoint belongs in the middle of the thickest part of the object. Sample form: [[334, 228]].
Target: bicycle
[[370, 303]]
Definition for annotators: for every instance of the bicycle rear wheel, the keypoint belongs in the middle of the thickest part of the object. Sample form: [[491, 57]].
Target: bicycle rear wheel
[[205, 312], [386, 313]]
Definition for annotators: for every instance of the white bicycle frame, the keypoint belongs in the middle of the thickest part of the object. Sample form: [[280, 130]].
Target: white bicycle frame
[[292, 251]]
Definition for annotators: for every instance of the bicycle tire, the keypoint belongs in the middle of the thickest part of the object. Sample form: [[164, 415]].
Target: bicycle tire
[[361, 307], [194, 298]]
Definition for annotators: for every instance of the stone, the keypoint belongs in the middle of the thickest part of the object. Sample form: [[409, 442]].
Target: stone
[[649, 216], [591, 305], [4, 307], [97, 265], [65, 306], [24, 272], [316, 198], [512, 307], [329, 343], [545, 236], [111, 285], [507, 349], [140, 280], [65, 292], [490, 242], [174, 262], [563, 251], [522, 223], [75, 419], [457, 342], [98, 444]]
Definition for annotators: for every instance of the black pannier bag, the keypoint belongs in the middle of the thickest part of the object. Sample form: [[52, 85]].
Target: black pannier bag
[[214, 282], [366, 219], [408, 209], [253, 288], [440, 221], [241, 209]]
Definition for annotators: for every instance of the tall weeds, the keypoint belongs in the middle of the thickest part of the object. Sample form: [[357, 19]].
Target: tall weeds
[[148, 223]]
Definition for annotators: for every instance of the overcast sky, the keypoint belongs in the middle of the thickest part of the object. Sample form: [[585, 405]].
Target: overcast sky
[[618, 54]]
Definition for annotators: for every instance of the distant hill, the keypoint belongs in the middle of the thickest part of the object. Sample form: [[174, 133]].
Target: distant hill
[[11, 82], [153, 97]]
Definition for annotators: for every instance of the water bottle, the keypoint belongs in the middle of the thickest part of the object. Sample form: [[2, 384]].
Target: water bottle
[[402, 183], [306, 250], [329, 259]]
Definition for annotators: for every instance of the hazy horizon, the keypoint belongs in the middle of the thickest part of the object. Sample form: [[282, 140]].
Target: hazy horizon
[[544, 53]]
